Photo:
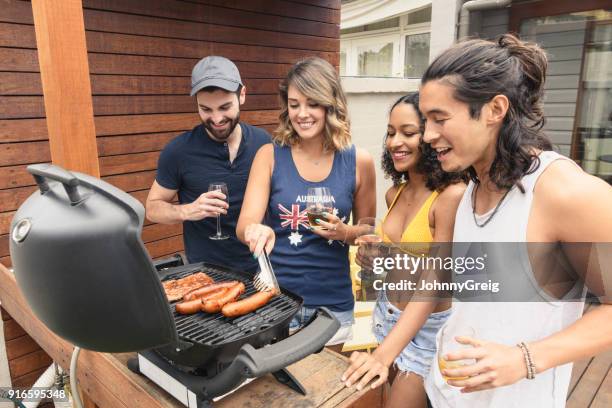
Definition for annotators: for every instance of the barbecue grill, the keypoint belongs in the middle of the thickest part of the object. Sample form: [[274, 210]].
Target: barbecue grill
[[80, 262]]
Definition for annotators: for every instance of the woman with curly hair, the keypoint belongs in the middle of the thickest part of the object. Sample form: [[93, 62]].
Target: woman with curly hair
[[311, 148], [421, 210]]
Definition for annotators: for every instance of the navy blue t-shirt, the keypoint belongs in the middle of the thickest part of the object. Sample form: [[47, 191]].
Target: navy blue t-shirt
[[189, 163]]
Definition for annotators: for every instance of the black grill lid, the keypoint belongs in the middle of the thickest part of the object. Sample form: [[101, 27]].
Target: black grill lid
[[80, 262]]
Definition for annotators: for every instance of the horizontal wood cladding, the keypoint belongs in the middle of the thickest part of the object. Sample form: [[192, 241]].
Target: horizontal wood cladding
[[20, 346], [332, 4], [28, 84], [12, 329], [166, 246], [28, 363], [22, 36], [15, 107], [277, 7], [132, 181], [104, 21], [19, 130], [210, 14], [26, 60]]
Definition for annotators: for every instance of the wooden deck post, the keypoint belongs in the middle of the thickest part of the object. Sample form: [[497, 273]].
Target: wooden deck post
[[64, 69]]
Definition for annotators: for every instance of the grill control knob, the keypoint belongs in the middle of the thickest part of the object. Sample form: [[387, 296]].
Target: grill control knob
[[21, 230]]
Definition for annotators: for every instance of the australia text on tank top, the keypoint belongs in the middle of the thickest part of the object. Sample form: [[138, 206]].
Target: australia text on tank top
[[305, 263], [508, 322]]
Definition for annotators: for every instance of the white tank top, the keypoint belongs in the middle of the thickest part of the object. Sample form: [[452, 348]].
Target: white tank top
[[509, 322]]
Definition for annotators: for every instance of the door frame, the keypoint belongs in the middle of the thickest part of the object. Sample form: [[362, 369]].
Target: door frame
[[542, 8]]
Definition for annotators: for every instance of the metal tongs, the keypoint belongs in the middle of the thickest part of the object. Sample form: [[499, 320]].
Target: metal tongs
[[265, 279]]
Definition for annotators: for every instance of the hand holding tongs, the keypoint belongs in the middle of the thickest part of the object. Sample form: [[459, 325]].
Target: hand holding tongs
[[265, 279]]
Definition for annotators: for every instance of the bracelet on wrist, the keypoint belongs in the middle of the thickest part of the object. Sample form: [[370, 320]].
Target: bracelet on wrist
[[531, 369]]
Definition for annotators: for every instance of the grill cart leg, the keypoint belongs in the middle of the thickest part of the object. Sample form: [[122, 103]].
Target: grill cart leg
[[283, 376], [133, 365]]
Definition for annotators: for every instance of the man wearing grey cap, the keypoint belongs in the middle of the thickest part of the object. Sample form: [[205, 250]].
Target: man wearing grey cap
[[220, 149]]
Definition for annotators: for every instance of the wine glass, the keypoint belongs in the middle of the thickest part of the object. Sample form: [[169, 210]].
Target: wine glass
[[319, 201], [369, 238], [448, 344], [222, 187]]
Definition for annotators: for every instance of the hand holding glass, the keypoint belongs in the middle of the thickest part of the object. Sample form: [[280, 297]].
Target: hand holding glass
[[222, 187], [369, 239], [319, 201], [448, 344]]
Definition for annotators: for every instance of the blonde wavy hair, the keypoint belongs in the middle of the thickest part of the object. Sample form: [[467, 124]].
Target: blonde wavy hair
[[318, 80]]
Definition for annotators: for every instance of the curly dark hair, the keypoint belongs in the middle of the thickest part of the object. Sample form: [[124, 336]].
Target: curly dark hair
[[481, 69], [428, 164]]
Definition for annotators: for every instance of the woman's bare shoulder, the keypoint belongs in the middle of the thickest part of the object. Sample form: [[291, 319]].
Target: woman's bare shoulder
[[391, 193]]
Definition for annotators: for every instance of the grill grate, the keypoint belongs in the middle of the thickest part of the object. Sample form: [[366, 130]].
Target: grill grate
[[216, 329]]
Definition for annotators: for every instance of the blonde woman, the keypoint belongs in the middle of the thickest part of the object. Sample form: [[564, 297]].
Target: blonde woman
[[311, 148]]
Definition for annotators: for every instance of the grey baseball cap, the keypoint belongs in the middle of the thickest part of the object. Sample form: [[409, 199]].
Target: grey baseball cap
[[215, 71]]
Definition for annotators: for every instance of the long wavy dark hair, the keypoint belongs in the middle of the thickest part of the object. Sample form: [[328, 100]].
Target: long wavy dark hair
[[479, 70], [436, 179]]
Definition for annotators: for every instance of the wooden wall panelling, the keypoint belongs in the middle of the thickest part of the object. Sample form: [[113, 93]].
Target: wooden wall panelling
[[126, 124], [15, 176], [14, 11], [100, 42], [332, 4], [104, 21], [213, 15], [22, 130], [160, 85], [167, 66], [132, 181], [20, 83], [278, 8]]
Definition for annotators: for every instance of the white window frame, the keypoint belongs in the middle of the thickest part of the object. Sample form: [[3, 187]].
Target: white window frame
[[397, 35], [375, 40], [423, 28]]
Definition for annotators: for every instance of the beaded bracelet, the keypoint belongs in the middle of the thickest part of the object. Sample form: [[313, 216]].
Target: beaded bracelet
[[531, 369]]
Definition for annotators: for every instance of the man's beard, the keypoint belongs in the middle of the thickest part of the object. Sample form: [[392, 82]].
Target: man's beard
[[222, 134]]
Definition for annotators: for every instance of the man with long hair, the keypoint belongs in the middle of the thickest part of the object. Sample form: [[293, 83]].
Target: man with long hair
[[482, 104]]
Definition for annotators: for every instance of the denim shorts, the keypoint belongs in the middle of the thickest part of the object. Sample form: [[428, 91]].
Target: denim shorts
[[417, 356], [344, 333]]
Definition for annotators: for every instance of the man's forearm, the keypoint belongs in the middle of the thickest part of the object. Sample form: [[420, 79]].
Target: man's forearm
[[590, 335], [164, 213]]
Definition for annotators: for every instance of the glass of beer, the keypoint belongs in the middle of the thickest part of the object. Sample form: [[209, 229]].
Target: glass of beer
[[369, 239], [448, 344], [319, 201], [222, 187]]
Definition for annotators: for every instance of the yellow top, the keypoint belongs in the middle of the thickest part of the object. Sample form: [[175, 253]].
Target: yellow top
[[418, 229]]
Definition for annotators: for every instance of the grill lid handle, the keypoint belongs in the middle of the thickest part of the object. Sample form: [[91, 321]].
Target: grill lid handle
[[42, 172], [251, 362]]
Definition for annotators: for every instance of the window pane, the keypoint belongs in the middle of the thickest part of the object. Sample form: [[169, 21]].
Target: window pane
[[417, 55], [421, 16], [375, 60], [342, 63]]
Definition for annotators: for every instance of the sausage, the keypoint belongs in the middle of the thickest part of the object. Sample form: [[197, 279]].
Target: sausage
[[215, 305], [247, 305], [208, 289], [195, 305], [190, 307]]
